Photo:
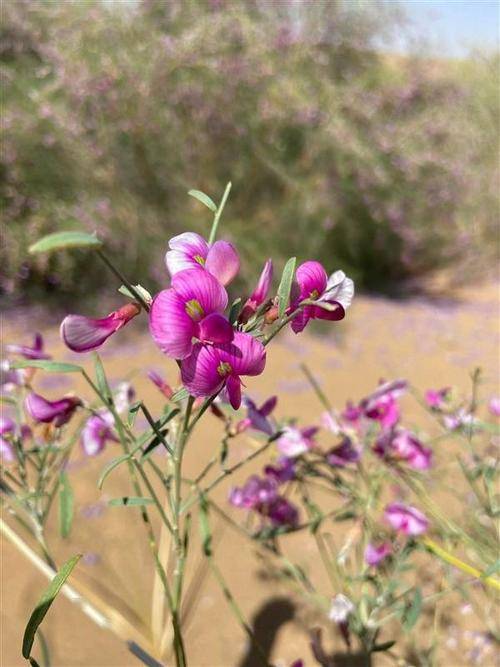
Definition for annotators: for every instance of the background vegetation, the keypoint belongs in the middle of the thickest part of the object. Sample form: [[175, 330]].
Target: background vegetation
[[380, 165]]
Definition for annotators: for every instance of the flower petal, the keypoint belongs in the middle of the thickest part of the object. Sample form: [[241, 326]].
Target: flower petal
[[312, 279], [233, 386], [260, 292], [223, 261], [187, 251], [198, 285], [42, 410], [82, 334], [171, 327], [339, 289], [246, 355], [199, 371], [215, 328]]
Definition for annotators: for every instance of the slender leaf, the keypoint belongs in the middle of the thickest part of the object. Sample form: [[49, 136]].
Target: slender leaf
[[44, 603], [234, 311], [111, 466], [412, 612], [49, 366], [66, 504], [132, 412], [204, 199], [285, 285], [102, 382], [180, 395], [385, 646], [33, 662], [130, 501], [139, 289], [63, 241], [206, 533]]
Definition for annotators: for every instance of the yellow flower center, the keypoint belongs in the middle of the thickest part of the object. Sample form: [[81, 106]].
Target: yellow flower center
[[314, 294], [199, 259], [224, 369], [194, 310]]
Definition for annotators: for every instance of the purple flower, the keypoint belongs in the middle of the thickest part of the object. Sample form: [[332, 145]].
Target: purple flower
[[343, 454], [437, 398], [190, 250], [376, 554], [59, 412], [7, 428], [312, 283], [406, 519], [382, 405], [259, 295], [294, 441], [283, 471], [97, 431], [33, 352], [256, 491], [210, 367], [191, 308], [494, 406], [282, 512], [404, 445], [82, 334], [459, 419], [257, 418]]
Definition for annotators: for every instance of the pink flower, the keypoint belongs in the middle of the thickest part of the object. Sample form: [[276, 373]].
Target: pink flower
[[459, 419], [282, 471], [494, 406], [312, 283], [343, 454], [7, 428], [33, 352], [82, 334], [163, 386], [404, 445], [190, 250], [294, 441], [261, 495], [376, 554], [210, 367], [259, 295], [191, 308], [436, 398], [406, 519], [257, 418], [97, 431], [382, 405], [59, 412]]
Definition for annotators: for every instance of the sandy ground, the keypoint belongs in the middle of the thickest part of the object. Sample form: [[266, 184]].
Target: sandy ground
[[433, 342]]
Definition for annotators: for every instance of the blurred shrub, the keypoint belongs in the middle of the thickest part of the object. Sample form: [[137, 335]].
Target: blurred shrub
[[383, 166]]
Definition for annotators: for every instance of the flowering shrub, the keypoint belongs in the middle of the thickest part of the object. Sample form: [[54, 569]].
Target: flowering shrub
[[306, 487], [383, 166]]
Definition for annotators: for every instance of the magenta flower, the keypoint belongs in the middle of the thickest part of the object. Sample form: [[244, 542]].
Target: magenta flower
[[404, 445], [282, 512], [211, 367], [7, 428], [406, 519], [282, 471], [382, 405], [259, 295], [376, 554], [437, 398], [343, 454], [159, 382], [33, 352], [97, 431], [190, 250], [295, 441], [82, 334], [257, 418], [256, 491], [191, 308], [312, 283], [494, 406], [59, 412]]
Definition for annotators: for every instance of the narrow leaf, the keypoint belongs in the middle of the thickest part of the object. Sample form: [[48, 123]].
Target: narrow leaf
[[204, 199], [142, 291], [44, 603], [132, 501], [413, 611], [180, 395], [385, 646], [63, 241], [206, 534], [49, 366], [66, 504], [234, 311], [286, 285], [111, 466], [102, 382]]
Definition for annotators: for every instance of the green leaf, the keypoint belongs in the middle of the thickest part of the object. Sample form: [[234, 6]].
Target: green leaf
[[286, 285], [130, 501], [180, 395], [385, 646], [66, 504], [142, 291], [492, 569], [132, 412], [234, 311], [412, 612], [102, 382], [49, 366], [204, 199], [111, 466], [44, 603], [206, 534], [33, 662], [63, 241]]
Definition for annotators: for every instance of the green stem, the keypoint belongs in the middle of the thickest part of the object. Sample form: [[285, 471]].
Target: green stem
[[121, 277], [218, 213]]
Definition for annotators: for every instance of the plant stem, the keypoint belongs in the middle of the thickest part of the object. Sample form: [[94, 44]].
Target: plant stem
[[121, 277], [218, 213]]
